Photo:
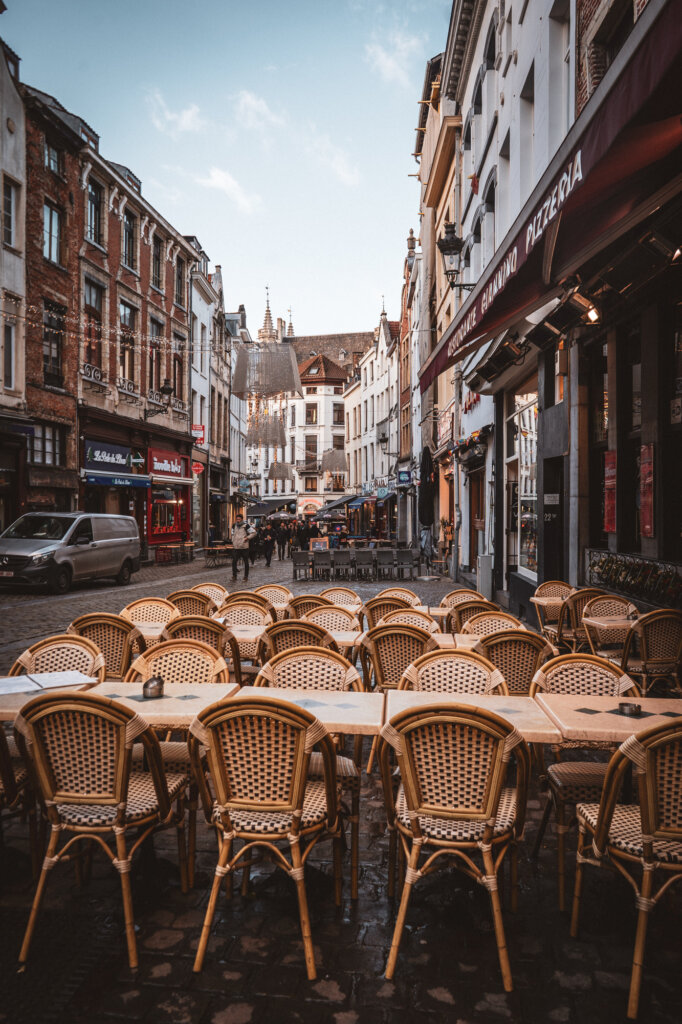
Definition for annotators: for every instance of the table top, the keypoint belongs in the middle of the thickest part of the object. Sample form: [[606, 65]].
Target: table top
[[609, 621], [244, 632], [150, 630], [451, 641], [547, 601], [582, 717], [178, 706], [38, 682], [346, 637], [346, 711], [523, 712]]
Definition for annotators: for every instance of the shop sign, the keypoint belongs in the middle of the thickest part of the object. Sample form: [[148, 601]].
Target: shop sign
[[381, 483], [646, 491], [382, 493], [244, 485], [444, 427], [368, 488], [198, 432], [102, 455], [169, 463], [609, 492], [404, 477], [197, 468]]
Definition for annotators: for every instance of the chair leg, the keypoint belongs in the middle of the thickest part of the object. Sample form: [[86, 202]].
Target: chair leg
[[392, 861], [37, 899], [402, 910], [220, 870], [338, 843], [562, 829], [514, 872], [182, 847], [304, 916], [502, 952], [578, 883], [370, 759], [354, 839], [543, 826], [123, 868], [640, 942], [192, 804]]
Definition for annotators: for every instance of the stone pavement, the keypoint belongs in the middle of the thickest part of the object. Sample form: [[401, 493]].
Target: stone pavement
[[254, 972]]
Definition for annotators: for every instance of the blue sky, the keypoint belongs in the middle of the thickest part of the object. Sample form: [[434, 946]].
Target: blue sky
[[279, 134]]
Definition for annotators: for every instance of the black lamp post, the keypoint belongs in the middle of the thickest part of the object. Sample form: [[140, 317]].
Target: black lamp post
[[451, 246], [167, 390]]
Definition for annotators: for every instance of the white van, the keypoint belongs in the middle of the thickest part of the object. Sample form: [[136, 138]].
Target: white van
[[56, 549]]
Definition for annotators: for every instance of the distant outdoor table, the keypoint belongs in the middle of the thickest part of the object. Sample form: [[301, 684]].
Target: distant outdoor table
[[178, 706], [15, 691], [346, 637], [614, 628], [598, 718], [452, 641], [346, 711], [523, 712], [151, 630], [438, 612], [547, 602], [215, 553]]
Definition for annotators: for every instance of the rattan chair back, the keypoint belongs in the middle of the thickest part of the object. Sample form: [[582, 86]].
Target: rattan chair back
[[660, 646], [309, 668], [180, 661], [403, 592], [581, 673], [386, 651], [291, 633], [193, 602], [117, 638], [548, 613], [570, 629], [209, 632], [486, 623], [458, 596], [64, 652], [606, 604], [413, 618], [375, 609], [460, 613], [243, 613], [341, 595], [150, 609], [251, 597], [453, 672], [518, 654], [217, 591], [333, 618], [276, 593], [304, 603]]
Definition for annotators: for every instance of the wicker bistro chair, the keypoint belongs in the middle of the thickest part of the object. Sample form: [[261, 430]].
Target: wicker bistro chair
[[364, 564], [79, 747], [486, 623], [403, 592], [607, 643], [304, 603], [292, 633], [385, 563], [659, 635], [261, 795], [64, 652], [404, 563], [117, 638], [457, 596], [193, 602], [569, 632], [180, 661], [341, 595], [302, 564], [375, 609], [150, 609], [453, 672], [17, 796], [250, 596], [386, 651], [337, 617], [518, 654], [217, 591], [210, 632], [648, 834], [276, 594], [460, 614], [452, 801], [342, 565], [412, 617], [322, 565], [548, 614], [309, 668], [571, 782], [244, 613]]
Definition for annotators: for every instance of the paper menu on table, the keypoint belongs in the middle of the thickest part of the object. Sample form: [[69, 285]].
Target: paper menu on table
[[18, 684], [57, 680]]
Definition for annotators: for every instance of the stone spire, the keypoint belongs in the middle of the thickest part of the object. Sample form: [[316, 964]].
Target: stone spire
[[290, 328], [267, 331]]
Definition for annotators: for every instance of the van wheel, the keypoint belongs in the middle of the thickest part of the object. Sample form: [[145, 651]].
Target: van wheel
[[123, 578], [61, 580]]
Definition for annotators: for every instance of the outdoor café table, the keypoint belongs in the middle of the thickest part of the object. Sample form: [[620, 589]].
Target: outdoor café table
[[15, 691], [617, 626], [523, 712], [452, 641], [598, 718], [346, 637], [345, 711], [151, 630], [178, 706], [244, 635]]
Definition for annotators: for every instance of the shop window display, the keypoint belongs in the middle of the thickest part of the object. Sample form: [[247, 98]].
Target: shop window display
[[522, 435]]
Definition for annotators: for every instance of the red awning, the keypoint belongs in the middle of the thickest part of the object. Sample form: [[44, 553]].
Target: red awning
[[616, 156]]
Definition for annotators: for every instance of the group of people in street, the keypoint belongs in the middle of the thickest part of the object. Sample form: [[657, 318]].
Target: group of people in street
[[250, 541]]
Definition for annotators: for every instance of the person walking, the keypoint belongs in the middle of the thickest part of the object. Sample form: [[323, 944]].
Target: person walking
[[268, 541], [240, 546], [282, 534]]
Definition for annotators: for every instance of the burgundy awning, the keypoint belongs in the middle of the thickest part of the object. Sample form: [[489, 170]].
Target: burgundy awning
[[611, 161]]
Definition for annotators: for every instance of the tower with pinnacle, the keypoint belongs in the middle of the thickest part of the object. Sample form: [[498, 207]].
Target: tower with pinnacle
[[267, 332]]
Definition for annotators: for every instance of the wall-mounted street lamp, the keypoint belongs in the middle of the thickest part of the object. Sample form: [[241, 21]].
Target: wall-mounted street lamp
[[451, 246], [167, 390]]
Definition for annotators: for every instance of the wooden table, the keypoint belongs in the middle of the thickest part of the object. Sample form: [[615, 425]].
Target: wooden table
[[523, 712], [21, 689], [213, 555], [151, 630], [347, 711], [453, 641], [617, 625], [178, 706], [346, 637], [598, 718]]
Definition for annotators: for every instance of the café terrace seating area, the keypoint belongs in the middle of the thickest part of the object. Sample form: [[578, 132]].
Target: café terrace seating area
[[262, 727]]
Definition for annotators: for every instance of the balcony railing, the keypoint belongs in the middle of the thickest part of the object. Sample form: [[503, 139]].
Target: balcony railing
[[383, 430], [177, 405], [155, 397], [308, 466]]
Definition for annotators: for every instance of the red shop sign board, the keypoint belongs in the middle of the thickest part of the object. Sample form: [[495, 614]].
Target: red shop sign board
[[646, 491], [609, 492], [197, 468]]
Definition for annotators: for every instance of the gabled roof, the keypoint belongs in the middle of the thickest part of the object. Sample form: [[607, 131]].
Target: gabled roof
[[321, 368], [73, 122], [394, 328]]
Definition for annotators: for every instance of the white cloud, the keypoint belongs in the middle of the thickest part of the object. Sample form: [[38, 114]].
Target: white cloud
[[254, 113], [390, 61], [224, 182], [333, 157], [174, 122]]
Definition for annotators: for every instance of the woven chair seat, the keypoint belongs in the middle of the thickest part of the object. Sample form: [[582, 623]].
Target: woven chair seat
[[460, 831], [175, 754], [625, 833], [142, 802], [637, 666], [276, 822], [248, 649], [576, 781], [346, 767]]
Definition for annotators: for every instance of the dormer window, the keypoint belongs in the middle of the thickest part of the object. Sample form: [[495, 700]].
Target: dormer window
[[313, 370]]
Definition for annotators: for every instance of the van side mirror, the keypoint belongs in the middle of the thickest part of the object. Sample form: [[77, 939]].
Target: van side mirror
[[82, 539]]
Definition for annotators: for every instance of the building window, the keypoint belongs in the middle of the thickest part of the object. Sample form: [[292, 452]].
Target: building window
[[311, 413], [52, 233], [156, 331], [54, 318], [522, 428], [8, 357], [178, 366], [338, 443], [47, 446], [180, 282], [10, 197], [157, 262], [293, 416], [94, 225], [92, 309], [311, 483], [338, 482], [311, 391], [337, 419], [129, 239], [53, 158], [126, 355]]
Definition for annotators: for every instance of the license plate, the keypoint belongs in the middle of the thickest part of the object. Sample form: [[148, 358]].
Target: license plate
[[6, 573]]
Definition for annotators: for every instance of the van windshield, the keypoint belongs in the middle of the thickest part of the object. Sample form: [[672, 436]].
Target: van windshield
[[37, 527]]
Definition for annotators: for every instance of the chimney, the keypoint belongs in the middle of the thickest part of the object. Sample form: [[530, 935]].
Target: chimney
[[242, 316]]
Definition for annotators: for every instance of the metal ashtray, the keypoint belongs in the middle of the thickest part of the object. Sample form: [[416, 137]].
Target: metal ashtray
[[626, 708], [153, 688]]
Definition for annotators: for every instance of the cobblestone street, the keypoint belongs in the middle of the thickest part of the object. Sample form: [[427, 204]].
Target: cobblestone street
[[254, 971]]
